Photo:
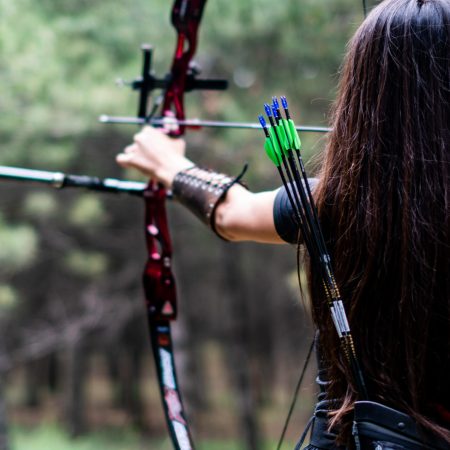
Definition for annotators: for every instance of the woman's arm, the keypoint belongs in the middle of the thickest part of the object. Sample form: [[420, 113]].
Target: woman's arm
[[247, 216], [241, 216]]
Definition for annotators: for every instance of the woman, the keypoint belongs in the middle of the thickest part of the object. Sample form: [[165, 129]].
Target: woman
[[383, 197]]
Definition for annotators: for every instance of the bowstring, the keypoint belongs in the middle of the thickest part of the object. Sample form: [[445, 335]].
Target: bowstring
[[295, 396]]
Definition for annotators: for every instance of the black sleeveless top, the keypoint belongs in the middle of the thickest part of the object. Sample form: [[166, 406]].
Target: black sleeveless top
[[284, 217]]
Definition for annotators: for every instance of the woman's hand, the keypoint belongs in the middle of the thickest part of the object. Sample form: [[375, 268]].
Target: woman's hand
[[156, 155]]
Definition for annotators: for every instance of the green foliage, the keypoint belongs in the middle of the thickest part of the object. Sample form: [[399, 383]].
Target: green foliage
[[18, 247], [40, 205], [8, 298], [50, 436], [86, 264], [87, 211], [222, 445], [59, 60]]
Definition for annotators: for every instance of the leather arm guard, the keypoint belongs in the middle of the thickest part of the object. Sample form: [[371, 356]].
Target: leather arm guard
[[202, 190]]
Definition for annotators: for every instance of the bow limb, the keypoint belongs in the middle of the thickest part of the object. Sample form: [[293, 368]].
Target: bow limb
[[186, 16]]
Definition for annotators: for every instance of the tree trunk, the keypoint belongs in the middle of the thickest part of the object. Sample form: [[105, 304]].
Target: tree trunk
[[239, 345], [130, 379], [4, 444], [32, 383], [75, 376], [53, 373]]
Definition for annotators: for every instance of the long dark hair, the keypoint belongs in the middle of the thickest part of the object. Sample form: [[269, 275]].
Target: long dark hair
[[384, 203]]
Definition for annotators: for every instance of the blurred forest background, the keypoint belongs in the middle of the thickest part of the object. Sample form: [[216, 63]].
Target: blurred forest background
[[76, 368]]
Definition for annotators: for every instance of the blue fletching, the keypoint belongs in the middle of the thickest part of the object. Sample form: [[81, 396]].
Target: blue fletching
[[262, 121], [275, 103], [284, 102], [268, 110]]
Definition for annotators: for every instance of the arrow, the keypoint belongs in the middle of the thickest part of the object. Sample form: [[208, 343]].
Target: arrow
[[283, 146], [196, 123]]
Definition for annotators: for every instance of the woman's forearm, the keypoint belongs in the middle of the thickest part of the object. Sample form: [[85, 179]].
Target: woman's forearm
[[239, 215]]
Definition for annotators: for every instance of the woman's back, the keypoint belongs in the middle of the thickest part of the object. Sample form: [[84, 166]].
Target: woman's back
[[384, 202]]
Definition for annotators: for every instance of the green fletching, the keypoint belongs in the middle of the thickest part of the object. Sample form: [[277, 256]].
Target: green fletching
[[271, 152], [294, 137], [287, 131], [275, 143], [283, 138]]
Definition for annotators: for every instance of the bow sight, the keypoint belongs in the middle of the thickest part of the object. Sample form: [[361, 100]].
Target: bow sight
[[148, 82]]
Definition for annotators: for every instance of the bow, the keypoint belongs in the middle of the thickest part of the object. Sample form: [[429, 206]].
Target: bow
[[158, 279], [159, 282]]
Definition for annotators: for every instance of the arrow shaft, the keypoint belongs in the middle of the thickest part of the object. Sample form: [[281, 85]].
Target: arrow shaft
[[167, 121]]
